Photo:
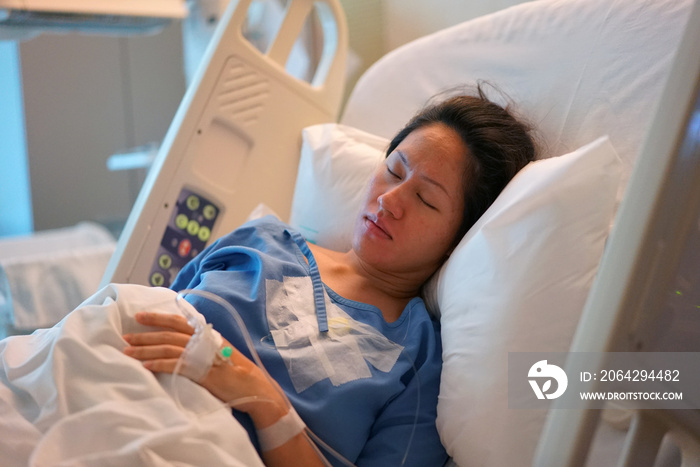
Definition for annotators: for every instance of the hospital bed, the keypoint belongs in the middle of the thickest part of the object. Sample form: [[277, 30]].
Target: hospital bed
[[598, 78]]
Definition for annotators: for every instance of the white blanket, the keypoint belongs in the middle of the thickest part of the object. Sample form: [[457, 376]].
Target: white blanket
[[69, 396]]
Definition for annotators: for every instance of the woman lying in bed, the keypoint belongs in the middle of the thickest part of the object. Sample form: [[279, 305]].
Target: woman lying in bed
[[369, 385]]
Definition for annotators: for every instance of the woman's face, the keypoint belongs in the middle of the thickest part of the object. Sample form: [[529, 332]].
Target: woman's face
[[414, 202]]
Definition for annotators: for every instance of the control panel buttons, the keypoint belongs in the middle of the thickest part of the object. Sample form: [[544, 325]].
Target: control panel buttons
[[189, 229], [192, 202], [204, 233], [184, 248], [165, 261], [192, 227], [181, 221], [157, 279], [209, 212]]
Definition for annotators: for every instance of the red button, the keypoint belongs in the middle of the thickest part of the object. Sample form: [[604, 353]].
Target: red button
[[184, 248]]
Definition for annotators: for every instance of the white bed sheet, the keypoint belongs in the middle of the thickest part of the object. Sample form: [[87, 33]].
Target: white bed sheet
[[69, 396]]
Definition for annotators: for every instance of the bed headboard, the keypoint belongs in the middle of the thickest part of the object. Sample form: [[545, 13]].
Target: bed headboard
[[233, 143]]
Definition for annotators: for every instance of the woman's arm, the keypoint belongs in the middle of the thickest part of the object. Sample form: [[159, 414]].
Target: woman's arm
[[242, 381]]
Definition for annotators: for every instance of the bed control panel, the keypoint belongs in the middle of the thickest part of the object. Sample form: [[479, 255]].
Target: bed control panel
[[186, 234]]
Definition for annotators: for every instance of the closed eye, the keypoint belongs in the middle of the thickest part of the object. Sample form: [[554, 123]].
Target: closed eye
[[394, 174], [426, 203]]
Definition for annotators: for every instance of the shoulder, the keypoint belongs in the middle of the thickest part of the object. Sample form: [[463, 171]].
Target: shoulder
[[427, 348], [419, 333], [417, 313], [264, 226], [262, 247], [261, 241], [257, 232]]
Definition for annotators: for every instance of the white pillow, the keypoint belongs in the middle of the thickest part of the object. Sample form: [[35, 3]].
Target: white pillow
[[578, 69], [518, 282], [336, 164]]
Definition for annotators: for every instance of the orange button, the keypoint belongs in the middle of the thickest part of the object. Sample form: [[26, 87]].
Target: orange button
[[184, 248]]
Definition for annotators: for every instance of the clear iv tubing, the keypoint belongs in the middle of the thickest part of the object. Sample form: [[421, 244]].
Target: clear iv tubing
[[310, 435]]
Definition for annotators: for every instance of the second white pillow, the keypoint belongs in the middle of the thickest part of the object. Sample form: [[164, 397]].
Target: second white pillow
[[336, 164]]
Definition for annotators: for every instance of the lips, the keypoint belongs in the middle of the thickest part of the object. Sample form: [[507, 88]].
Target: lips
[[377, 226]]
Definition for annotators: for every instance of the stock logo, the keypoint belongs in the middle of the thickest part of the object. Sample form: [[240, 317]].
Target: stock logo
[[542, 371]]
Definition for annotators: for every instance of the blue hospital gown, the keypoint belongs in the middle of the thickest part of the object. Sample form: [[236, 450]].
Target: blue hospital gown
[[368, 420]]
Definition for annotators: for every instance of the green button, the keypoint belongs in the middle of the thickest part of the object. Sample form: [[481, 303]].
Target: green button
[[209, 212], [193, 202], [165, 261], [193, 227], [181, 221], [157, 279], [204, 233]]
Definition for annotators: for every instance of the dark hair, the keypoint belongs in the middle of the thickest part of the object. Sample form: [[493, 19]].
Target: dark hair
[[499, 146]]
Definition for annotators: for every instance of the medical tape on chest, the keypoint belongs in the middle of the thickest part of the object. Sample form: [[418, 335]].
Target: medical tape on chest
[[341, 355]]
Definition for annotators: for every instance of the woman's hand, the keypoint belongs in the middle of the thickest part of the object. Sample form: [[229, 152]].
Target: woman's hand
[[160, 350], [240, 381]]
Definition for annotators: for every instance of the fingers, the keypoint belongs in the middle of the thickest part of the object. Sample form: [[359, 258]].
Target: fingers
[[159, 350], [157, 338], [173, 322], [157, 358], [154, 352], [161, 366]]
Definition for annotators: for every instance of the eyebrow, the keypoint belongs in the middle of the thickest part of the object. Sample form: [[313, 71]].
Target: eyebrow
[[432, 181]]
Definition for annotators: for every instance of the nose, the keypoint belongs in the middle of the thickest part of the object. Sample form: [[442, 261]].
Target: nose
[[390, 202]]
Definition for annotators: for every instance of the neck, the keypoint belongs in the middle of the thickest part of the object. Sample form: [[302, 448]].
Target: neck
[[354, 279], [399, 286]]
